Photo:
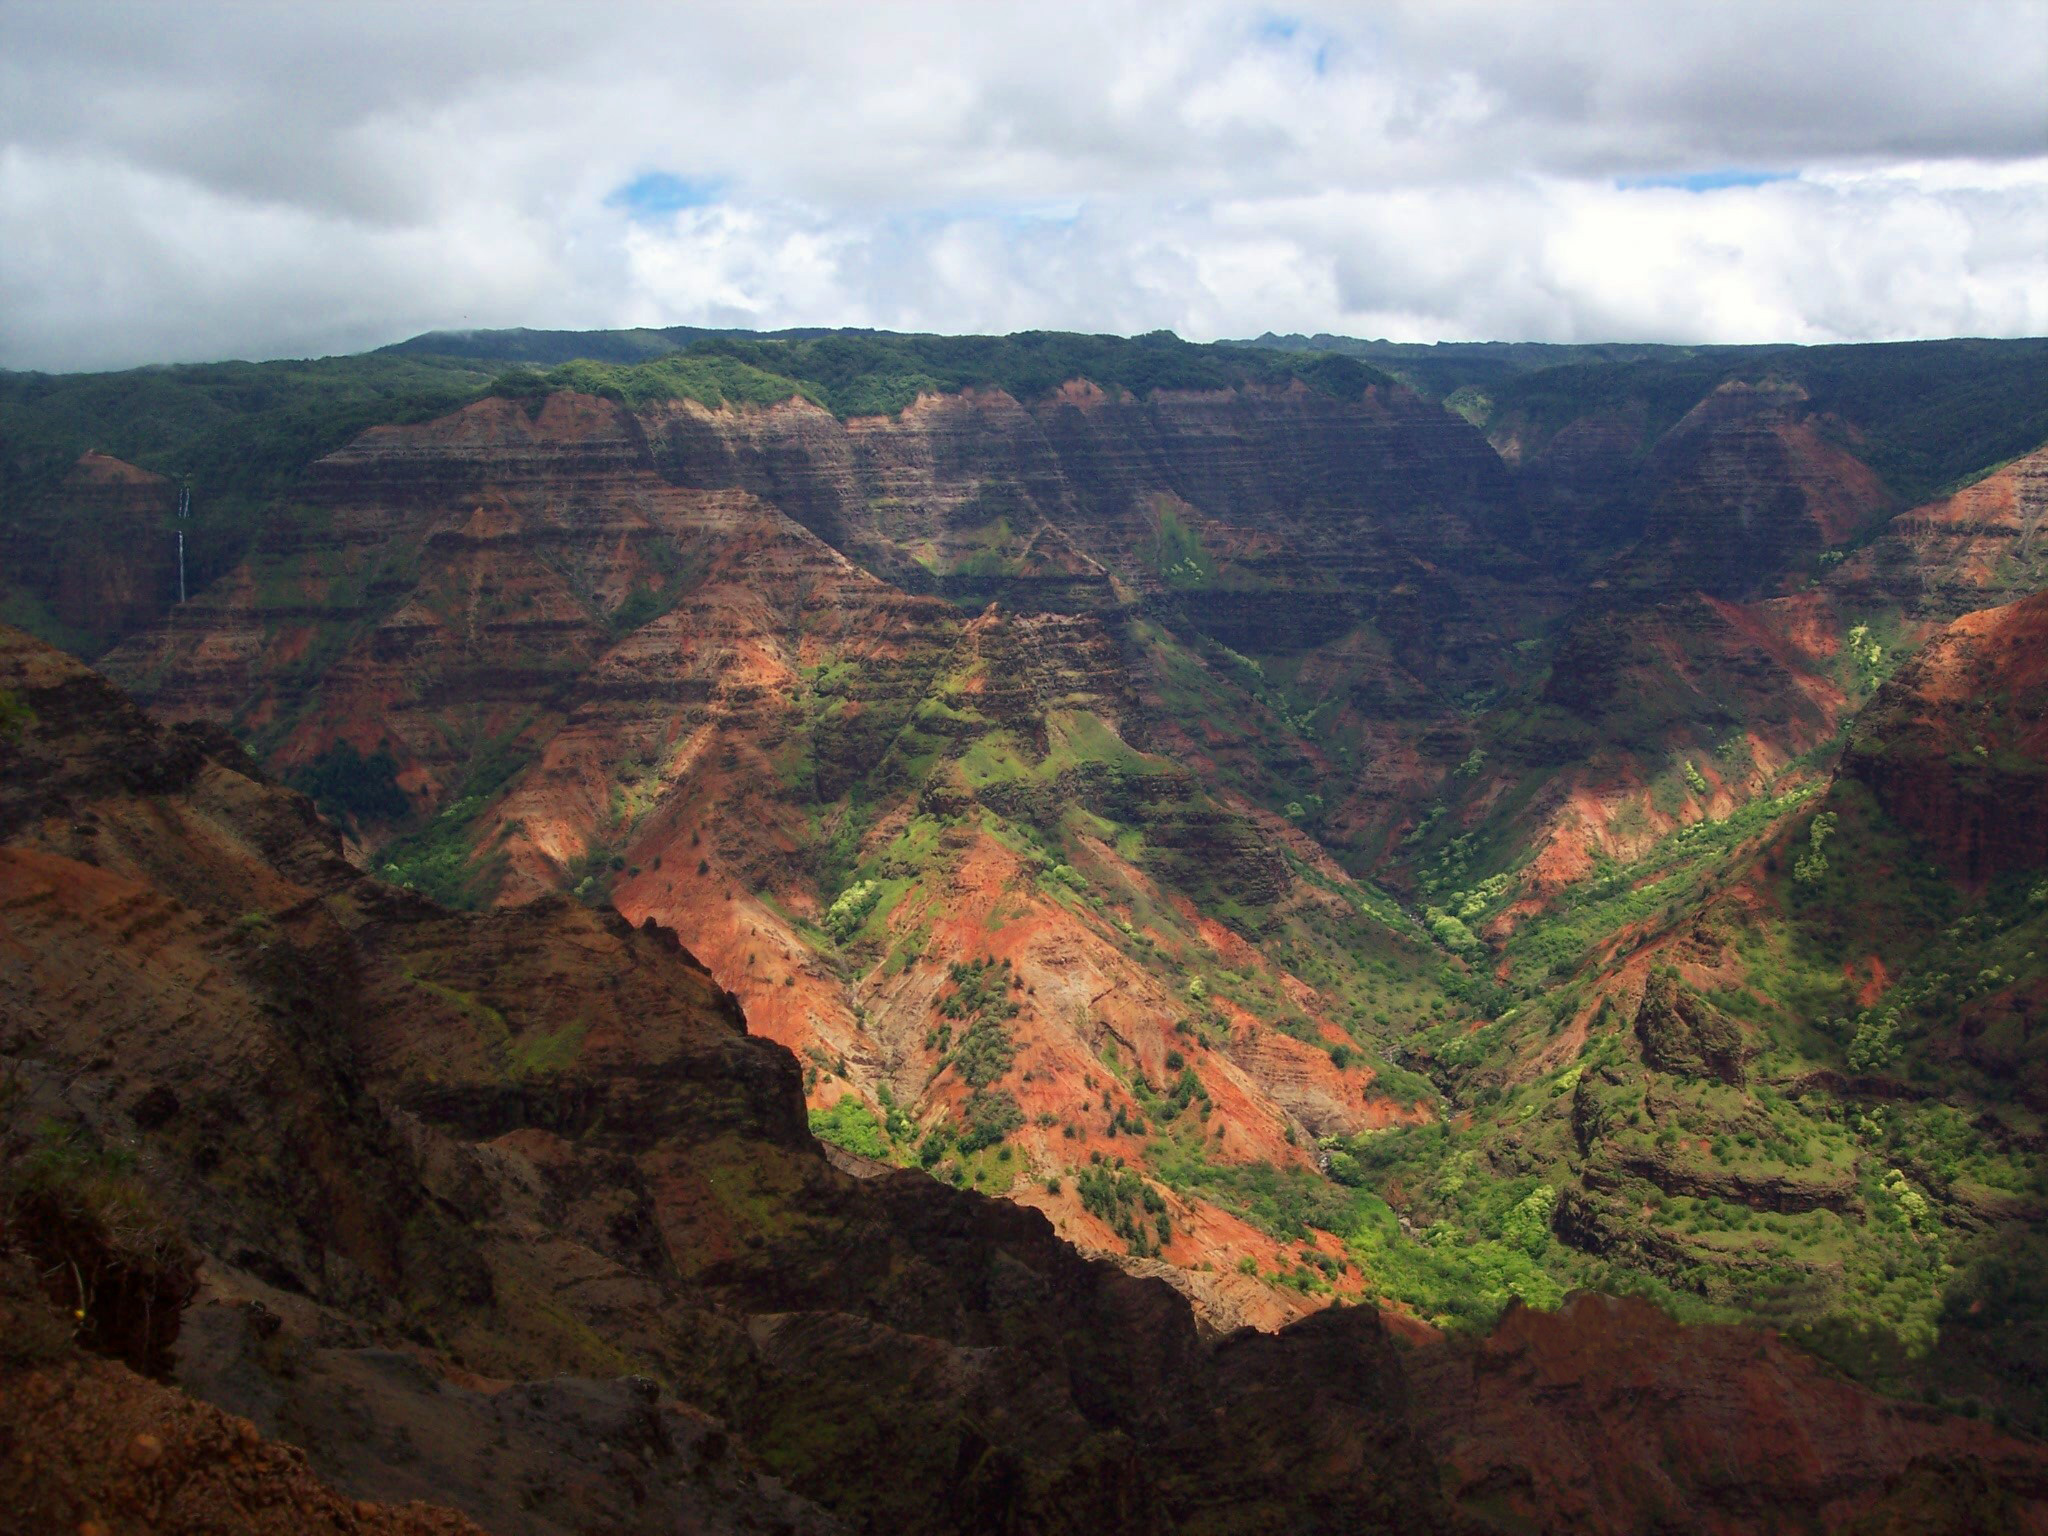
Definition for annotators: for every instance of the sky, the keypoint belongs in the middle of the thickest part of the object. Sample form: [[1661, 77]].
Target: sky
[[210, 179]]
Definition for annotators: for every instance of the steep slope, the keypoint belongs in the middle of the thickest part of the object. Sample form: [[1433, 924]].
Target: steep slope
[[507, 1206], [1788, 1065], [1692, 620], [1748, 486], [1956, 747], [1762, 1434], [606, 666], [1941, 560], [1748, 580], [88, 1445], [97, 560]]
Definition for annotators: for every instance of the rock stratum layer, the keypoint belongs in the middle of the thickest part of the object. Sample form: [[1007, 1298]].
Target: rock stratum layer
[[99, 562]]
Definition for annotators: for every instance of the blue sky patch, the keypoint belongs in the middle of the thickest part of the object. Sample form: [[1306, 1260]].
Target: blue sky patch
[[1706, 181], [1280, 31], [660, 192]]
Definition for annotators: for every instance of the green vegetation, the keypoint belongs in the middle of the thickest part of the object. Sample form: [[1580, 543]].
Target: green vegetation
[[708, 379], [982, 1055], [535, 1054], [1814, 863], [348, 786], [854, 906], [441, 862], [1283, 1202], [1457, 1273], [15, 716], [852, 1125], [1178, 555], [873, 373], [1121, 1197], [1707, 1152], [1677, 870], [441, 859]]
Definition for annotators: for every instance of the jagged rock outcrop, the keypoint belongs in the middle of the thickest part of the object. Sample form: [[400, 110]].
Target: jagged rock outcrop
[[86, 1445], [1682, 1033]]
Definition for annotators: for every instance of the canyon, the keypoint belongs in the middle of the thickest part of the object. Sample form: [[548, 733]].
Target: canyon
[[1324, 863], [508, 1211]]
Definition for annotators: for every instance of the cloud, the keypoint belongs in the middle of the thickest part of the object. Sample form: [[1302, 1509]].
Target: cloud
[[268, 179]]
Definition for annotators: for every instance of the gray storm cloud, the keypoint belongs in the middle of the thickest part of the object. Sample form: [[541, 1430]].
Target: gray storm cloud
[[201, 181]]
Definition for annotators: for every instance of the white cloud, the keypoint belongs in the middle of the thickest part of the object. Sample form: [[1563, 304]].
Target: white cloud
[[199, 181]]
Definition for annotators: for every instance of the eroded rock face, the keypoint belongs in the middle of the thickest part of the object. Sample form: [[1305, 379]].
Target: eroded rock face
[[1283, 518], [647, 613], [702, 663], [1284, 490], [100, 556], [87, 1445], [1748, 483], [1955, 748], [1954, 556], [427, 1157]]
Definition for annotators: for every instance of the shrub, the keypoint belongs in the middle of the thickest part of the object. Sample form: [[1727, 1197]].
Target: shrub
[[345, 784], [850, 912], [1527, 1225], [1874, 1047], [990, 1119], [852, 1125]]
